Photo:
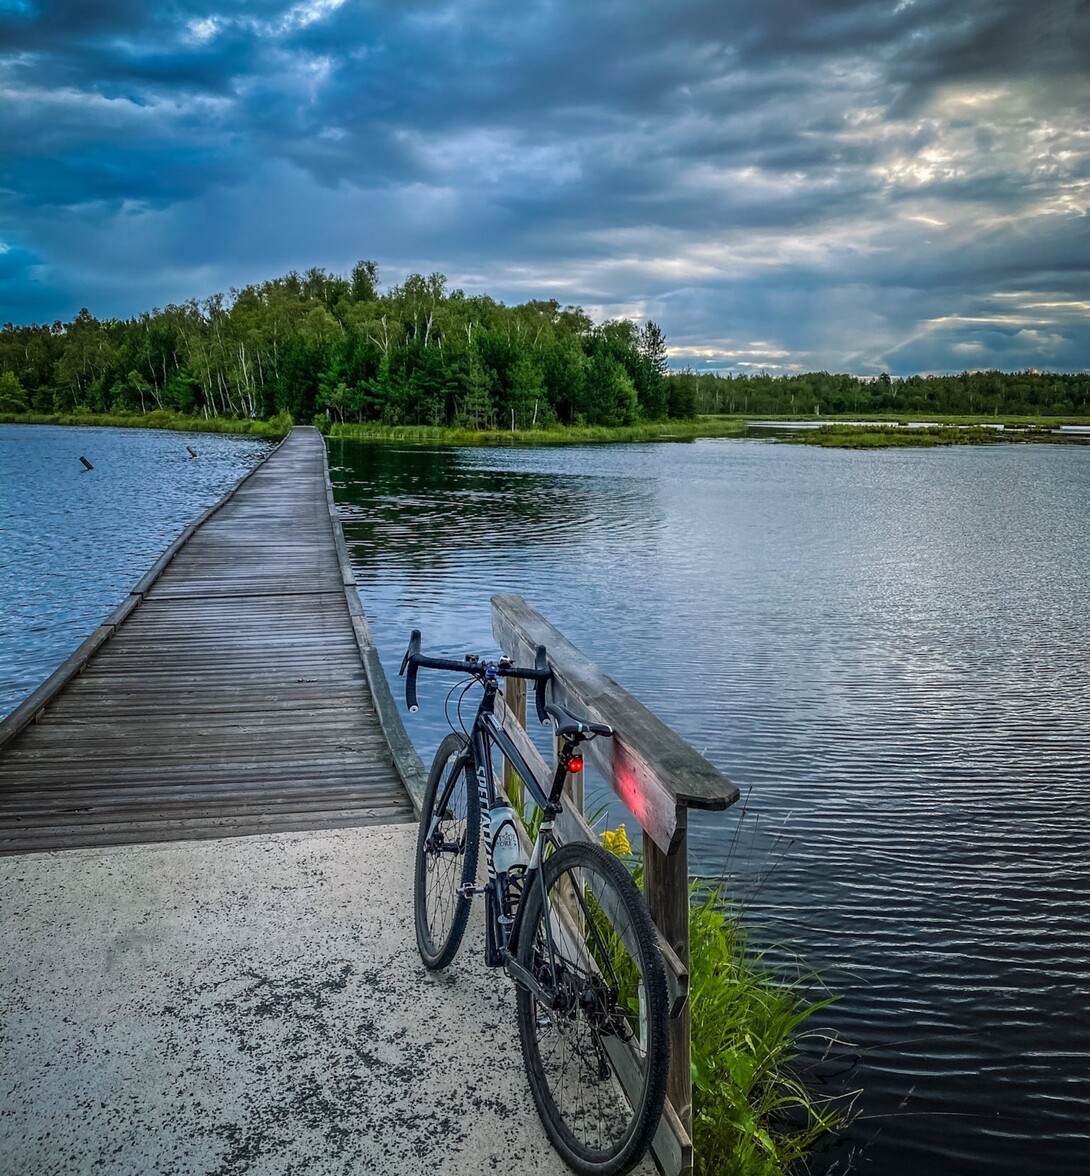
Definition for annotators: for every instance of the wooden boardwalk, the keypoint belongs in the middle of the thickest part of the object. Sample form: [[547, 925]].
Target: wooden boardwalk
[[230, 699]]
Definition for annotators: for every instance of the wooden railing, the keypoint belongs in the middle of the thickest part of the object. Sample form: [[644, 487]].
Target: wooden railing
[[659, 777]]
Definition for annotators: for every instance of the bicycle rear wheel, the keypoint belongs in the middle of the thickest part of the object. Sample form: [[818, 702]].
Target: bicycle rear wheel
[[597, 1053], [447, 844]]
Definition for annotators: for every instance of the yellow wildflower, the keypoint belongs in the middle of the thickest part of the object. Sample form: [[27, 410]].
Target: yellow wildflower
[[616, 841]]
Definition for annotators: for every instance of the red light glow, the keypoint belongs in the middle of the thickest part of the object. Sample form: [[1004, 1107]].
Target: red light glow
[[575, 763]]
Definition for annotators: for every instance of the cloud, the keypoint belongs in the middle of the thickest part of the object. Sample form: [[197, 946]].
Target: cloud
[[795, 184]]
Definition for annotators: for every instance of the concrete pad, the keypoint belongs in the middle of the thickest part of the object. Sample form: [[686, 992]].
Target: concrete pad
[[251, 1005]]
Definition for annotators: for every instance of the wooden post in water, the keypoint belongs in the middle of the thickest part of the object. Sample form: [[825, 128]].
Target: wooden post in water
[[666, 888]]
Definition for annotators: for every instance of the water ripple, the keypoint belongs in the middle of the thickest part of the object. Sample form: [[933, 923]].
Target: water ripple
[[888, 653], [73, 544]]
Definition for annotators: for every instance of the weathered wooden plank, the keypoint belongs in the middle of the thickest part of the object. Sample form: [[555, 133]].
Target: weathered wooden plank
[[650, 767], [405, 757]]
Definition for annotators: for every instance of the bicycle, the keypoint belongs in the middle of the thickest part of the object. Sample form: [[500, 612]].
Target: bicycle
[[565, 922]]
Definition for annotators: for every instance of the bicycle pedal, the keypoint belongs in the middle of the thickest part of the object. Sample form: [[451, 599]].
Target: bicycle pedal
[[468, 890]]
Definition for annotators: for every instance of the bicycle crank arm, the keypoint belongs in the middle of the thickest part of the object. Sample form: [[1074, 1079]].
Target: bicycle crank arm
[[525, 979]]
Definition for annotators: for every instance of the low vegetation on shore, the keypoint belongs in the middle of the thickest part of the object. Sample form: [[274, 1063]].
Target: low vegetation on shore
[[753, 1114], [833, 435], [680, 430], [892, 437], [274, 428]]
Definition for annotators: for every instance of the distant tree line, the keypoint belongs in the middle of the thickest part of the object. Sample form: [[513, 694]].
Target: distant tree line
[[1028, 393], [325, 345], [322, 344]]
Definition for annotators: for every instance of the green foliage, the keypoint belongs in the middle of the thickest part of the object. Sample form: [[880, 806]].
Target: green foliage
[[281, 424], [553, 434], [851, 437], [752, 1114], [12, 396], [160, 418], [987, 395], [610, 394], [319, 343]]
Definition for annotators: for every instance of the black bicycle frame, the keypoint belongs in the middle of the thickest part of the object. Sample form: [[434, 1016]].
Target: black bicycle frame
[[502, 924]]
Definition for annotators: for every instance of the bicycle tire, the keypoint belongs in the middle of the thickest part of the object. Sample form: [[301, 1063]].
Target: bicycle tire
[[446, 855], [595, 1022]]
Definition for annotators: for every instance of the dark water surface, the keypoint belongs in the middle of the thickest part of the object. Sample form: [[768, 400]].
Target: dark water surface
[[73, 543], [889, 652]]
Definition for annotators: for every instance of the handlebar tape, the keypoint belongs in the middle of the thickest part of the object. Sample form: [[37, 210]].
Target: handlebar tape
[[411, 660], [414, 659], [541, 664]]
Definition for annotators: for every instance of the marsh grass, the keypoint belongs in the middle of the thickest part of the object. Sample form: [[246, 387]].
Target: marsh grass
[[753, 1114], [279, 426], [856, 437], [686, 430]]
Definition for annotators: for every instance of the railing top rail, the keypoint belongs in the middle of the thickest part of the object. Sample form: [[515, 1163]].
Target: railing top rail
[[650, 767]]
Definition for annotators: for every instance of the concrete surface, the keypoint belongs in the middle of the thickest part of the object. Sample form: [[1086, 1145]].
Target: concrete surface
[[253, 1005]]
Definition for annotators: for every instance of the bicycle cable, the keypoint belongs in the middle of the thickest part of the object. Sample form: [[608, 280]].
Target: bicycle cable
[[466, 684], [470, 683]]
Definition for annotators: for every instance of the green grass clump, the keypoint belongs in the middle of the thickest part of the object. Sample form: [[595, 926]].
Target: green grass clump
[[752, 1114], [279, 426], [557, 435]]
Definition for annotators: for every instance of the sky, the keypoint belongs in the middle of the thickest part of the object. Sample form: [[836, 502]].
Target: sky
[[783, 185]]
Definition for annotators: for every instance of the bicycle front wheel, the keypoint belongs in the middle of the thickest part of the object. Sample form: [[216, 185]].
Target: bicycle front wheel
[[447, 844], [597, 1053]]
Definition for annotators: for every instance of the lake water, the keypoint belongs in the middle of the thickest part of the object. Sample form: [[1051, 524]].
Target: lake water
[[73, 542], [888, 652]]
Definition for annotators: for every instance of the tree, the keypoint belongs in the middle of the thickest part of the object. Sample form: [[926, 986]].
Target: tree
[[611, 395], [364, 281], [652, 346], [477, 410], [526, 392], [12, 395]]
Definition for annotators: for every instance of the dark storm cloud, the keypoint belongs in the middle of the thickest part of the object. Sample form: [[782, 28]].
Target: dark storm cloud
[[799, 184]]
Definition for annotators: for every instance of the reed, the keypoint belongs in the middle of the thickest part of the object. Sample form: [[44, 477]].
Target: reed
[[279, 426], [560, 435]]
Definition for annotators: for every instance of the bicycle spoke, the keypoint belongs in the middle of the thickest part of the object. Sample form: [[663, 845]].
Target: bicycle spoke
[[446, 855], [606, 970]]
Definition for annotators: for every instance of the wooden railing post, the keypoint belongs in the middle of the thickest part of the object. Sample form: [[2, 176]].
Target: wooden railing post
[[515, 697], [666, 890], [658, 777]]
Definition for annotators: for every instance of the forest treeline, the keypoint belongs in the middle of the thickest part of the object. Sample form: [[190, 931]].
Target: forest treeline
[[1028, 393], [323, 345]]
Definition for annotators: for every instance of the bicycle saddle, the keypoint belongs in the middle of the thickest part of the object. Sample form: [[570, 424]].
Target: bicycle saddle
[[573, 726]]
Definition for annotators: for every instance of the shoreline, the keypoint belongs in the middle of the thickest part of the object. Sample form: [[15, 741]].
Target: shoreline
[[914, 431]]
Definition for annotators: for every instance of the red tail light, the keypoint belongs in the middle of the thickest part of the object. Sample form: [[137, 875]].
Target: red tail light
[[575, 763]]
